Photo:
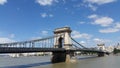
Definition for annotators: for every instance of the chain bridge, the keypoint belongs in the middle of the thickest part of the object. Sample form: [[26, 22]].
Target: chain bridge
[[62, 46]]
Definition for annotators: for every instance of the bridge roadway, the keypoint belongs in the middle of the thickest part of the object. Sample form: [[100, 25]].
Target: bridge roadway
[[35, 49]]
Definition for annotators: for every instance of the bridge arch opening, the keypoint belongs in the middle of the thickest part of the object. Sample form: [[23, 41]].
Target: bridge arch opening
[[61, 42]]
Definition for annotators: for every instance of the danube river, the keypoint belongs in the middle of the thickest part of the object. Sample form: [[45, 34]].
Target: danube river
[[44, 62]]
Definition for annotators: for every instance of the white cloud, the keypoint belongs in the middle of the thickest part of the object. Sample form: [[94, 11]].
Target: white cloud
[[94, 8], [82, 42], [76, 34], [44, 32], [93, 16], [100, 20], [6, 40], [113, 29], [93, 4], [34, 38], [51, 15], [104, 21], [99, 2], [2, 2], [81, 22], [108, 30], [117, 25], [110, 25], [98, 40], [46, 2], [44, 15]]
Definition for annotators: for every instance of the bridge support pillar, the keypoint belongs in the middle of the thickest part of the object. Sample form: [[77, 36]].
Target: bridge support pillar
[[70, 57], [58, 57], [101, 54], [67, 57]]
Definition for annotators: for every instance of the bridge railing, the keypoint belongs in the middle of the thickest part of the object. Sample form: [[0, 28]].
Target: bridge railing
[[39, 43]]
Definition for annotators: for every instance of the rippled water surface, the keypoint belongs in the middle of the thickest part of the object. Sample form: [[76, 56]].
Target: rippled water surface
[[44, 62]]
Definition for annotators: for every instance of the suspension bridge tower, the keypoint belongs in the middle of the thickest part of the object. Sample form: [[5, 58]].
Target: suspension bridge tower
[[63, 37], [63, 41]]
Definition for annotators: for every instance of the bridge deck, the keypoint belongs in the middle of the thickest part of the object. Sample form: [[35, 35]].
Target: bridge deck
[[28, 50]]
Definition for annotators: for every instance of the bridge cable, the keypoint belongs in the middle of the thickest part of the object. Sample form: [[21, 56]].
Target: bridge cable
[[78, 43]]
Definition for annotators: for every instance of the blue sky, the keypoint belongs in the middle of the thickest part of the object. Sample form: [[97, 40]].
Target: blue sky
[[92, 21]]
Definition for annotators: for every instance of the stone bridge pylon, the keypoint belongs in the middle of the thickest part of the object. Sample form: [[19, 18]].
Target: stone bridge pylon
[[62, 41], [63, 38]]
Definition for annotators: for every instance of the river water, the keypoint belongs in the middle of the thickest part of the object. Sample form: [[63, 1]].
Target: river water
[[44, 62]]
